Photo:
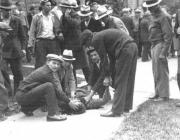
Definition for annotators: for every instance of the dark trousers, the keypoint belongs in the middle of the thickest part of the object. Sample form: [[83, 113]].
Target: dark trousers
[[178, 72], [125, 69], [146, 51], [37, 97], [44, 47], [16, 68], [3, 95]]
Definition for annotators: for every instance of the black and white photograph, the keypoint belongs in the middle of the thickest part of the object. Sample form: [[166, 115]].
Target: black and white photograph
[[90, 69]]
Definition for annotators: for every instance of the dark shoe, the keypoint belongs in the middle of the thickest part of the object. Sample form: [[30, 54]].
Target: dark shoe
[[109, 114], [56, 118], [154, 97], [126, 110]]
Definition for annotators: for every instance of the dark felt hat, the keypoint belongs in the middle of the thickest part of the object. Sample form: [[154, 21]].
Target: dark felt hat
[[6, 4]]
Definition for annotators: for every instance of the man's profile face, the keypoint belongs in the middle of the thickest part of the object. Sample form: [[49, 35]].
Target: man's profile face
[[94, 57], [54, 65]]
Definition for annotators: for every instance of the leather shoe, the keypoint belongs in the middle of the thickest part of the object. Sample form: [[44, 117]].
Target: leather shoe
[[154, 97], [109, 114], [28, 113], [56, 118]]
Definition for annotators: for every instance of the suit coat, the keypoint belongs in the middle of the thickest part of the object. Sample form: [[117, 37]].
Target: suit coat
[[97, 77], [40, 76], [67, 80], [15, 41], [116, 23]]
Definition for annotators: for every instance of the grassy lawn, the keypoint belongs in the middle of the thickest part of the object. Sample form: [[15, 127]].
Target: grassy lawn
[[152, 121]]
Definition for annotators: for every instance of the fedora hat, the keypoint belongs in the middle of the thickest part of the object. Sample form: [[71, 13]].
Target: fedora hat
[[151, 3], [6, 4], [102, 11], [68, 3], [84, 11], [68, 55], [125, 10], [54, 57]]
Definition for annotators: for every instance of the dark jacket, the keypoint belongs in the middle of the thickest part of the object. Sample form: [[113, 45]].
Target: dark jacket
[[71, 29], [15, 41], [144, 28], [96, 77], [128, 21], [161, 30], [110, 42], [41, 76], [94, 25]]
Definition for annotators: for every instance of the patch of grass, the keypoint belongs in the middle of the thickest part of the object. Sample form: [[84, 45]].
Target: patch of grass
[[152, 121]]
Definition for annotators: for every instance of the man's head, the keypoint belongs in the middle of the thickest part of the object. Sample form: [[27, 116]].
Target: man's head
[[68, 5], [5, 7], [93, 55], [86, 38], [68, 58], [137, 13], [85, 13], [45, 5], [20, 5], [54, 62], [152, 5]]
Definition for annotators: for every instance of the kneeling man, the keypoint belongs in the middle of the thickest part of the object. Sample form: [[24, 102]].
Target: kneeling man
[[43, 87]]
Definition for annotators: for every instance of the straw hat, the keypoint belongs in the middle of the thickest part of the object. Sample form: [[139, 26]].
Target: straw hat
[[84, 11], [151, 3], [102, 11], [68, 55]]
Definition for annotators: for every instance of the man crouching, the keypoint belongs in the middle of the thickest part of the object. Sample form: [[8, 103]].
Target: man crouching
[[43, 87]]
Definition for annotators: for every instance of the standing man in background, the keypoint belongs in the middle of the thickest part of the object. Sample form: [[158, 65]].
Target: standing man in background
[[42, 35], [161, 38]]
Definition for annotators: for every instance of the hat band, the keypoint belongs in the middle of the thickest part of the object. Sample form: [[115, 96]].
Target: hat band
[[85, 12], [151, 1], [67, 57]]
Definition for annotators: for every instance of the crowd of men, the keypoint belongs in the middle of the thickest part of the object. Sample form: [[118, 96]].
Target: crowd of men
[[63, 37]]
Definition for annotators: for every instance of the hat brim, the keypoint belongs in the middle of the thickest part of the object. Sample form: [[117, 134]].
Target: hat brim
[[84, 15], [105, 14], [68, 59], [151, 5], [68, 6], [7, 8]]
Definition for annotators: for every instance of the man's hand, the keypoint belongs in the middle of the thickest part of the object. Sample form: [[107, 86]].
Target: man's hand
[[68, 11], [74, 104], [107, 81], [23, 52]]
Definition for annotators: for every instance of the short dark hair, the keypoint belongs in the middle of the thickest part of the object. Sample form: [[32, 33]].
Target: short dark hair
[[43, 2]]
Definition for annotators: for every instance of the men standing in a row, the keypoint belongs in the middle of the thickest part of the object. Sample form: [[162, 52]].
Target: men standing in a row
[[161, 38], [42, 34], [14, 42]]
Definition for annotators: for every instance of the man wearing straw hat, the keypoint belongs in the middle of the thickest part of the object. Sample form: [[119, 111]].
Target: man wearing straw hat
[[103, 15], [161, 37]]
